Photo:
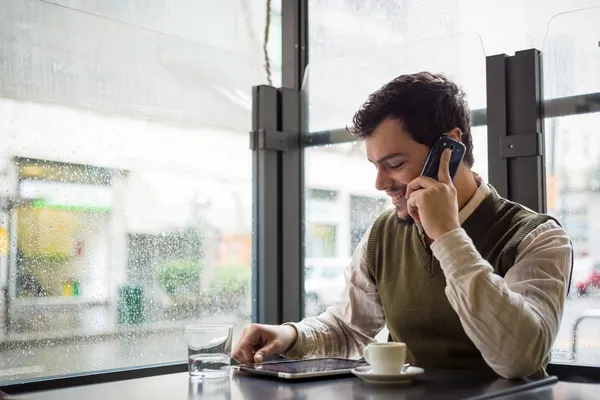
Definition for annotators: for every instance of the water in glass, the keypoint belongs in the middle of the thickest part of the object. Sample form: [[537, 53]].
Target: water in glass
[[209, 351]]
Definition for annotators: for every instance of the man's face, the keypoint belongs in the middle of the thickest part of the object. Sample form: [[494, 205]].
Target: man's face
[[398, 159]]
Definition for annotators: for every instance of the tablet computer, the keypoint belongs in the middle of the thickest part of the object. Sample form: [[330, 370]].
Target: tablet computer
[[300, 369]]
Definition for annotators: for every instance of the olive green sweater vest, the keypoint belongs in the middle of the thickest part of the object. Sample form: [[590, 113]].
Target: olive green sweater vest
[[411, 282]]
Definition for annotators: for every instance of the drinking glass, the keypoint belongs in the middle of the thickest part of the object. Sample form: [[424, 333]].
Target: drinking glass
[[209, 350]]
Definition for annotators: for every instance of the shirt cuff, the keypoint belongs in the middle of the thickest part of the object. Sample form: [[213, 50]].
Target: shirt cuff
[[454, 249], [298, 348]]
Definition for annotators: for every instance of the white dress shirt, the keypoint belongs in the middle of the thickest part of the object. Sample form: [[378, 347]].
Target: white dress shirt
[[513, 321]]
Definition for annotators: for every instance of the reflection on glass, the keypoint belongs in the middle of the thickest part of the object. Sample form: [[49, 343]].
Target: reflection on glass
[[125, 182], [217, 389]]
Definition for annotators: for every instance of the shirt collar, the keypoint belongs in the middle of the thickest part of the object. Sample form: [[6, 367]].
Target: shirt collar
[[475, 201]]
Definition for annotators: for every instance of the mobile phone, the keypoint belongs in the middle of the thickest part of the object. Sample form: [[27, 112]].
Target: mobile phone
[[432, 164]]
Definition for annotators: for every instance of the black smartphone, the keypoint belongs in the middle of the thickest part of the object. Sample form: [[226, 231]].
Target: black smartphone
[[432, 164]]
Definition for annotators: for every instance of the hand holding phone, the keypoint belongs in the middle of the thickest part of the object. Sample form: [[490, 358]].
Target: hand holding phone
[[431, 202], [432, 164]]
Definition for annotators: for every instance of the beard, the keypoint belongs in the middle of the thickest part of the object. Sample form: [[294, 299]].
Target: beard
[[402, 215], [404, 220]]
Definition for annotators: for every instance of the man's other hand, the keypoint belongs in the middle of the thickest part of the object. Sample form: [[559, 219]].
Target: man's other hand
[[259, 342]]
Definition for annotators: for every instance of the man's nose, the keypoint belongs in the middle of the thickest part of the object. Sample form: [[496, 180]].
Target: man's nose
[[383, 180]]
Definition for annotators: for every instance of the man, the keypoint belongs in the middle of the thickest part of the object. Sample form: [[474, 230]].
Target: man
[[465, 278]]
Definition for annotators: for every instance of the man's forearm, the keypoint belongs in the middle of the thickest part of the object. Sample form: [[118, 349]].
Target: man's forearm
[[513, 329], [326, 336]]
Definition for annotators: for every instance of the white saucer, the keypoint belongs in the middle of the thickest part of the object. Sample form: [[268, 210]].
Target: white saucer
[[366, 374]]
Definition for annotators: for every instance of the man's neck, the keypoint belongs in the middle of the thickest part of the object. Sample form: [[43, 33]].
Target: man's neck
[[466, 186]]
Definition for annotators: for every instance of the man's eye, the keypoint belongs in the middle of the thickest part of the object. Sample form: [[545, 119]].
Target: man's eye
[[397, 165]]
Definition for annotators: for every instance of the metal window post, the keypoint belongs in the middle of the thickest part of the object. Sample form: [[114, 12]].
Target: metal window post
[[295, 60], [266, 206], [515, 128], [277, 217], [278, 179]]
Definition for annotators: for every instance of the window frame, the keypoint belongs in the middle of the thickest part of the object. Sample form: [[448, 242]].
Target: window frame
[[279, 181]]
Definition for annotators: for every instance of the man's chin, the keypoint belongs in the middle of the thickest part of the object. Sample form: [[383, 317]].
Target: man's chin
[[404, 217]]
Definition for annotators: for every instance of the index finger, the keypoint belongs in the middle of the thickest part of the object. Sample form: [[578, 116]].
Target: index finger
[[444, 170], [244, 350]]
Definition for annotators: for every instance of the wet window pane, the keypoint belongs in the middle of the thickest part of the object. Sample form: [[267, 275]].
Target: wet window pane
[[125, 178], [339, 208], [573, 195], [341, 27], [570, 66]]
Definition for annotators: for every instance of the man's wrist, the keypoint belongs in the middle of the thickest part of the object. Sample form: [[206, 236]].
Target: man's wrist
[[444, 231], [292, 334]]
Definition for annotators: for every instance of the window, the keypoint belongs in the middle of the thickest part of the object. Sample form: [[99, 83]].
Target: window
[[574, 199], [574, 221], [322, 218], [352, 204], [341, 27], [320, 194], [321, 240], [125, 178], [571, 67], [362, 210]]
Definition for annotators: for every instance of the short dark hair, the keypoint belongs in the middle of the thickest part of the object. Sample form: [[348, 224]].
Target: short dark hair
[[427, 105]]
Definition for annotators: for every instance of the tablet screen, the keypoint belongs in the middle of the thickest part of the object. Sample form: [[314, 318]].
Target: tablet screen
[[306, 366]]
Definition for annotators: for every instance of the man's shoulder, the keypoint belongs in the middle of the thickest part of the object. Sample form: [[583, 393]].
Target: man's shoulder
[[523, 213], [523, 221]]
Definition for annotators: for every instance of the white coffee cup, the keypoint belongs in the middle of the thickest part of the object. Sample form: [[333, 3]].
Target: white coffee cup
[[386, 358]]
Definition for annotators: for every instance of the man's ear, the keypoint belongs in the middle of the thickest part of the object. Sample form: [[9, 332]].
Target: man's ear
[[455, 134]]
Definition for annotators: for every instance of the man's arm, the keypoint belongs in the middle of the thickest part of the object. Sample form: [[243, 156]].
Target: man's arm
[[512, 321], [351, 323]]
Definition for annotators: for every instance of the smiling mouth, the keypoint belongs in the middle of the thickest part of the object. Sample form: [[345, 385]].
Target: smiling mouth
[[397, 196]]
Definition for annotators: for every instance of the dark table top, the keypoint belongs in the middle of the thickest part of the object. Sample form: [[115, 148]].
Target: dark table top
[[431, 385]]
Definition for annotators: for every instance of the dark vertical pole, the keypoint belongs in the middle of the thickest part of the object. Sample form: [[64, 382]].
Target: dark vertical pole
[[515, 128], [292, 205], [294, 21], [278, 258], [295, 60], [267, 208], [496, 121], [526, 172], [256, 181]]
